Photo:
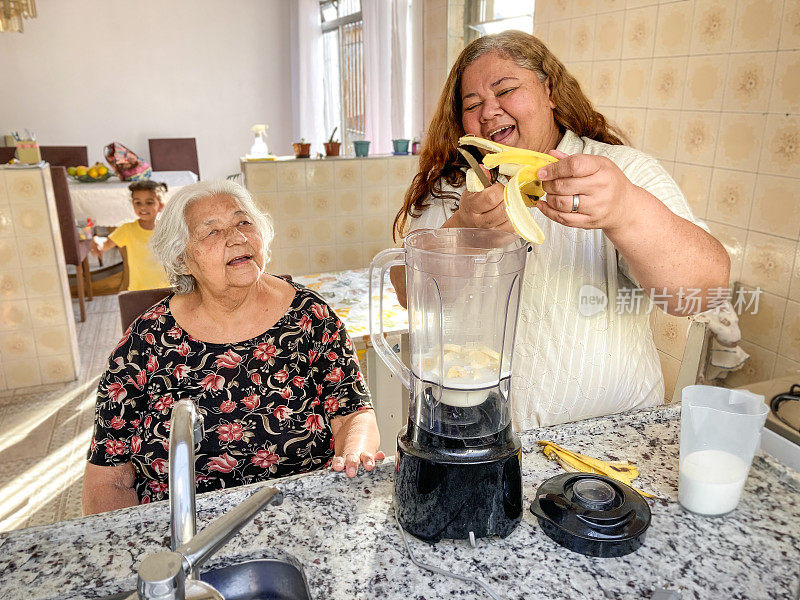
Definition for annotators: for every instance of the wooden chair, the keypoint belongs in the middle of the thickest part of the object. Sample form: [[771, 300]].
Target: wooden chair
[[76, 251], [133, 304], [6, 154], [174, 154], [65, 156]]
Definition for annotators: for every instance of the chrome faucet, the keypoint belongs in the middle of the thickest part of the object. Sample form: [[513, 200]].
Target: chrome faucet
[[173, 575]]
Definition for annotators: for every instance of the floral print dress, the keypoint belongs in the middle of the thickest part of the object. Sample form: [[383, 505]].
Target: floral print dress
[[267, 403]]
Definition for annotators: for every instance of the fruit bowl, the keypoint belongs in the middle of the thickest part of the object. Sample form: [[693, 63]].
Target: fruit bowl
[[88, 179]]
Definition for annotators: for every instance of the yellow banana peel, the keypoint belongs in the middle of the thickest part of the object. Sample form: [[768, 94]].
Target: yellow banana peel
[[624, 472], [523, 189]]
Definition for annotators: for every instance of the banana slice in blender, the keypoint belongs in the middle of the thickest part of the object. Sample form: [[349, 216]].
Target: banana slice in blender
[[523, 190]]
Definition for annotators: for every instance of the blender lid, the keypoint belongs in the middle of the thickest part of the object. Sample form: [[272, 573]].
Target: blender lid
[[592, 514]]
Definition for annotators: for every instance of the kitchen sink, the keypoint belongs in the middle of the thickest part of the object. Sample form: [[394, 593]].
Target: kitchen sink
[[253, 580]]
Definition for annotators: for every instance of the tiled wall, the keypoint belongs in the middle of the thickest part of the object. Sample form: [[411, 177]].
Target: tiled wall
[[37, 329], [712, 89], [330, 214], [435, 35]]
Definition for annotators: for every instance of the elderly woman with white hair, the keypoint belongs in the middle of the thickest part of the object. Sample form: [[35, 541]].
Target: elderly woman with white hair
[[268, 363]]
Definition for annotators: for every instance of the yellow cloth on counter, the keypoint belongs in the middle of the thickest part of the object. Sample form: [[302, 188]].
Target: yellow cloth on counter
[[145, 272]]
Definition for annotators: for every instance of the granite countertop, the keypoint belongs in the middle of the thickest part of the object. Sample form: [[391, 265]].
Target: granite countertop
[[344, 534]]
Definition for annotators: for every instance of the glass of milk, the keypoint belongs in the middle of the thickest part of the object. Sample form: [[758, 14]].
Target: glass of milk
[[720, 432]]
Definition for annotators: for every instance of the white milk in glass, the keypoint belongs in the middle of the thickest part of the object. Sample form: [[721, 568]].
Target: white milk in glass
[[711, 481]]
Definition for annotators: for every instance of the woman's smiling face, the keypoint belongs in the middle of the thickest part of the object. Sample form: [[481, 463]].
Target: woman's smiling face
[[225, 248], [506, 103]]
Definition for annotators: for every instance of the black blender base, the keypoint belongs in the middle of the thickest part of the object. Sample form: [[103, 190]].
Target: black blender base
[[438, 500]]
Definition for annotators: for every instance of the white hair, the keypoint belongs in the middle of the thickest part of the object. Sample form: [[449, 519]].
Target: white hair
[[171, 235]]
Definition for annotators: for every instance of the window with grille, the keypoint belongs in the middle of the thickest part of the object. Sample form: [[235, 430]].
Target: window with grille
[[482, 17], [343, 54]]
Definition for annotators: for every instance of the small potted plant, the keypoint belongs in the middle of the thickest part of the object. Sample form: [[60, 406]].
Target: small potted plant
[[331, 147], [302, 149]]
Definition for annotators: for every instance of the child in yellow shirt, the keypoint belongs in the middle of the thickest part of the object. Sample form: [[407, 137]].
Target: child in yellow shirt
[[145, 273]]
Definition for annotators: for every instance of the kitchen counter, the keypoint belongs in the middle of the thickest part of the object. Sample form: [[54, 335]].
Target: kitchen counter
[[344, 534]]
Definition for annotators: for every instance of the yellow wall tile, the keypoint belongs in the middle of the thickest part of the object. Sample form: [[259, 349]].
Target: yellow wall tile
[[319, 175], [776, 206], [673, 32], [667, 83], [786, 84], [790, 337], [322, 258], [56, 369], [749, 82], [608, 44], [293, 234], [21, 373], [585, 7], [632, 121], [321, 231], [731, 197], [661, 133], [780, 154], [790, 28], [348, 229], [610, 5], [785, 367], [759, 367], [639, 33], [560, 9], [46, 311], [260, 177], [25, 187], [559, 39], [9, 257], [583, 34], [763, 327], [794, 286], [768, 262], [52, 340], [6, 222], [705, 82], [634, 76], [605, 82], [712, 26], [582, 72], [291, 175], [296, 261], [757, 25], [351, 256], [697, 139], [740, 138], [11, 285], [374, 172]]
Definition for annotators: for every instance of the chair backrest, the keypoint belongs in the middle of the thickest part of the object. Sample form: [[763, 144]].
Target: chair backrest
[[133, 304], [682, 345], [7, 153], [174, 154], [66, 217], [65, 156]]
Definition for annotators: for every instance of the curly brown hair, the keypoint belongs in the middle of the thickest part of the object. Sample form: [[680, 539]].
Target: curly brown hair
[[148, 185], [440, 161]]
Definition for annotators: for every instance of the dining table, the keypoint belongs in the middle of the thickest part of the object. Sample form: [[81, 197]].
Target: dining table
[[108, 203]]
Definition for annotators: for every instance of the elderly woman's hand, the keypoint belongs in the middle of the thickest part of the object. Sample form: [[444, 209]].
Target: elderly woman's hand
[[484, 209], [601, 187], [356, 440]]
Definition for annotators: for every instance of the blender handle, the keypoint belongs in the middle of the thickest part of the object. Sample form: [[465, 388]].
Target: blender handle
[[383, 261]]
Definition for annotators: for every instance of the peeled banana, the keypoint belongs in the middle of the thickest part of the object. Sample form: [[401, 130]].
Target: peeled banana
[[523, 189], [624, 472]]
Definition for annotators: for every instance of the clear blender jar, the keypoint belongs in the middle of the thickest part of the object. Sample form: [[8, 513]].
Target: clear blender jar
[[463, 288]]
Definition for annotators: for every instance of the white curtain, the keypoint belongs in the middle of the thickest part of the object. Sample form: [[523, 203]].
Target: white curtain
[[307, 67], [392, 71]]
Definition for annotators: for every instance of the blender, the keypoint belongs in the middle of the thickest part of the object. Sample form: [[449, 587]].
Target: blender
[[458, 463]]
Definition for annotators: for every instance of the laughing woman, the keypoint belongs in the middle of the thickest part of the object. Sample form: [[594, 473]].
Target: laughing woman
[[269, 365]]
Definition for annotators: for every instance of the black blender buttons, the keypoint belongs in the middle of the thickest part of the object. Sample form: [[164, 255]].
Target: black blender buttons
[[592, 514]]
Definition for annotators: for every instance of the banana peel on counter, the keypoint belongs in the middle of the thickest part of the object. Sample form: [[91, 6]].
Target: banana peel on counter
[[624, 472], [523, 189]]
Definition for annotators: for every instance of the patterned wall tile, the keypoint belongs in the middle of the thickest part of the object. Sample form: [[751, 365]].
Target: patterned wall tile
[[51, 341], [785, 367], [634, 78], [705, 82], [9, 257], [41, 282], [55, 369], [712, 26], [261, 176], [669, 333], [776, 206], [21, 373], [631, 122], [30, 219], [639, 33], [790, 337], [293, 233], [375, 171], [321, 204], [323, 258], [768, 263], [661, 133], [785, 96], [780, 153], [731, 197], [319, 175], [757, 25], [12, 285], [605, 82], [583, 35], [749, 82], [740, 137], [3, 192], [25, 187], [695, 182], [6, 223], [582, 72], [610, 5], [790, 28], [794, 286], [558, 39], [290, 175], [349, 229], [763, 327], [36, 251], [295, 260], [673, 32], [697, 140], [347, 173], [608, 44], [374, 201], [322, 231], [351, 256], [759, 367], [667, 83], [16, 345], [47, 311]]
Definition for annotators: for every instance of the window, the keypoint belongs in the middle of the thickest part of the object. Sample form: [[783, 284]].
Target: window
[[343, 55], [482, 17]]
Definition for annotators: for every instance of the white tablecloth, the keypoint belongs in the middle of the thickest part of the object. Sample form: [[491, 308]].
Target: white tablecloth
[[109, 203]]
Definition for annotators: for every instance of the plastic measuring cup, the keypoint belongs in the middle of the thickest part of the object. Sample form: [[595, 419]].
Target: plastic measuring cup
[[720, 432]]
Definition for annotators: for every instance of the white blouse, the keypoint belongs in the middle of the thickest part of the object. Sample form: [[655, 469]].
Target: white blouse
[[568, 366]]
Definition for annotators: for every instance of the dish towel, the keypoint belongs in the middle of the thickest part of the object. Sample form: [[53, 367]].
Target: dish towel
[[725, 355]]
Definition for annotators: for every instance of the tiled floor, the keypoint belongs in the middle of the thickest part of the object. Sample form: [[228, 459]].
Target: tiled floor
[[45, 431]]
